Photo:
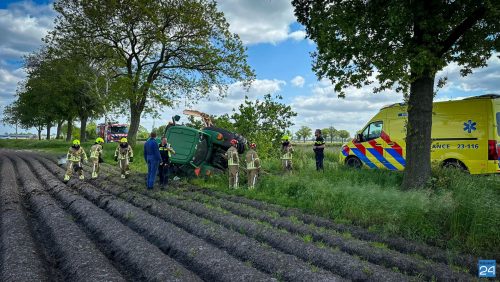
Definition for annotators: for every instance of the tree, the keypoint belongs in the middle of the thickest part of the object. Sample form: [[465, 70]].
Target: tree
[[402, 44], [344, 135], [332, 133], [304, 132], [164, 49], [11, 117], [263, 122], [325, 132]]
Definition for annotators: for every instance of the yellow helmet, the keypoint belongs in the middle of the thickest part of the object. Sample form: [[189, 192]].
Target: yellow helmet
[[123, 140], [285, 138], [99, 140], [76, 142]]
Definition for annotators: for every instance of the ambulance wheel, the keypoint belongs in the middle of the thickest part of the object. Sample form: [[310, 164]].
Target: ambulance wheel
[[353, 162], [455, 164]]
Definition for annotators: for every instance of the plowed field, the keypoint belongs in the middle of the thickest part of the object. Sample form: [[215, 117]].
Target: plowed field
[[111, 229]]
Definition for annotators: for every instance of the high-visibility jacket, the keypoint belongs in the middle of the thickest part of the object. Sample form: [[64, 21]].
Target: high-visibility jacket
[[166, 152], [95, 151], [252, 160], [232, 156], [76, 155], [124, 153], [286, 152]]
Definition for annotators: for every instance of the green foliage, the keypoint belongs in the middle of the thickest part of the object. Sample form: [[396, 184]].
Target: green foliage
[[143, 133], [343, 134], [91, 131], [262, 122], [303, 133], [160, 50]]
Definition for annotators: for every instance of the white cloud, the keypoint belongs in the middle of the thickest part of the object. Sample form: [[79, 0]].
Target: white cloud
[[261, 21], [22, 26], [298, 35], [485, 79], [298, 81], [322, 108]]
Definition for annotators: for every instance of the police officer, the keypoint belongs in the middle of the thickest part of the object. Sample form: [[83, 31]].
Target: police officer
[[318, 148], [74, 158], [166, 152], [123, 155], [286, 153], [152, 158], [233, 164], [253, 165], [96, 156]]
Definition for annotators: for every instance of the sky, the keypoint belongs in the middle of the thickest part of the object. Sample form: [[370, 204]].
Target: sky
[[277, 50]]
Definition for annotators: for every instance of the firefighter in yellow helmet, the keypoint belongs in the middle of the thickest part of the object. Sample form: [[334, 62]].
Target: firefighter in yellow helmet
[[124, 155], [286, 153], [76, 155], [96, 152], [253, 166], [233, 164]]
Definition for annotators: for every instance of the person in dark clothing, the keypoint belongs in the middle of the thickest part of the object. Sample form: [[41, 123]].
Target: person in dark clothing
[[166, 152], [318, 148], [152, 157]]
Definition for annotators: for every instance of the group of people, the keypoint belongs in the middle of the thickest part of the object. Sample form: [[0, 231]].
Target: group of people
[[76, 156], [157, 157], [253, 164]]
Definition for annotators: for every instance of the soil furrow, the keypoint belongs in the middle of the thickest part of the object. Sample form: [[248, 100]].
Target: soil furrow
[[280, 265], [208, 261], [20, 259], [77, 256], [377, 255], [396, 243], [126, 247]]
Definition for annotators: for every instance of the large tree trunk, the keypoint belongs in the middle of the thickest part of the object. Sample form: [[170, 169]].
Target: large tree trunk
[[59, 127], [49, 125], [39, 129], [83, 128], [135, 120], [418, 132], [70, 130]]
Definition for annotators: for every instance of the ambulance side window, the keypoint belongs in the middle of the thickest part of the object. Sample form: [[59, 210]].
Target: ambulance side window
[[372, 131]]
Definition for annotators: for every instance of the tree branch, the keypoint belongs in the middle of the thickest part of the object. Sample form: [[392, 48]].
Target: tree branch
[[460, 30]]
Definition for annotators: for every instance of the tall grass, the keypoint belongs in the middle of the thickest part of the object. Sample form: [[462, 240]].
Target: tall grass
[[456, 211]]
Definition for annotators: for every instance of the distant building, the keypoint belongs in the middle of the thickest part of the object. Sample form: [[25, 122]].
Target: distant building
[[18, 136]]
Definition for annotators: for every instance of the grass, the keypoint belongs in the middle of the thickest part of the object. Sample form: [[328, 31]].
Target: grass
[[455, 211]]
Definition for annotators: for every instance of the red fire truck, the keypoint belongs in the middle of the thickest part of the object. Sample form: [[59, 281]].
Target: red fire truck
[[112, 131]]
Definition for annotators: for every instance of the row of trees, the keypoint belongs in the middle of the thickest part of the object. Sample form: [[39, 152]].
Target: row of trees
[[328, 133], [129, 56]]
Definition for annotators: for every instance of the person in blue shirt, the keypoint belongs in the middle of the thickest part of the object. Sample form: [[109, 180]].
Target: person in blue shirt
[[152, 158]]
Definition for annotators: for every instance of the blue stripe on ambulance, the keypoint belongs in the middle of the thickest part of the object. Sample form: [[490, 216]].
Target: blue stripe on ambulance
[[396, 156], [363, 158], [381, 159]]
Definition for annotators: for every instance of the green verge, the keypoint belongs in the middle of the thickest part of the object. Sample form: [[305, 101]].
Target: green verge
[[455, 211]]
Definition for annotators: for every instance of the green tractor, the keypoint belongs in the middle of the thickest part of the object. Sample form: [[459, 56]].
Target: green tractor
[[200, 152]]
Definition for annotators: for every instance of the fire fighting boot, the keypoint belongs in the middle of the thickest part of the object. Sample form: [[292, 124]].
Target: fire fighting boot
[[82, 177], [66, 178], [123, 176], [94, 175], [127, 172]]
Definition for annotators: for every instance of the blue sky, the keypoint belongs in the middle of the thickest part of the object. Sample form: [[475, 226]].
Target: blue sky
[[277, 51]]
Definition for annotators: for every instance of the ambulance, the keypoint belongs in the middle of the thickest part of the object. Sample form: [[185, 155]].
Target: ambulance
[[465, 134]]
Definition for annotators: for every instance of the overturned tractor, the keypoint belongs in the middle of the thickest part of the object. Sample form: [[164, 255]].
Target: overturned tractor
[[200, 152]]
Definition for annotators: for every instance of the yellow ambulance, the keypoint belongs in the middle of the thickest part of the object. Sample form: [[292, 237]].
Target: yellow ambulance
[[465, 134]]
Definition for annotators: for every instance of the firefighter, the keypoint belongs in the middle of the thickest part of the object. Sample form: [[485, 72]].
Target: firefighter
[[286, 153], [74, 158], [96, 156], [233, 164], [124, 155], [166, 152], [318, 148], [253, 166]]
